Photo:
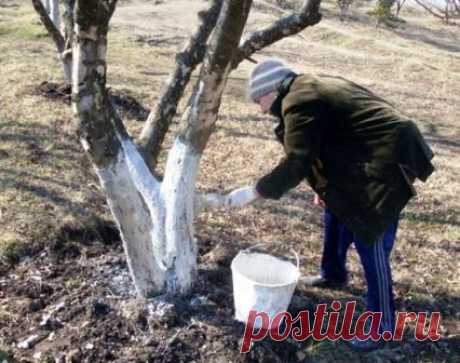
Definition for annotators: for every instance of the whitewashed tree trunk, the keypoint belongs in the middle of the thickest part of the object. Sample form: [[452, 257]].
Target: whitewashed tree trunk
[[132, 212], [67, 67], [49, 13], [155, 218], [46, 4], [133, 193], [53, 11], [179, 182], [178, 191]]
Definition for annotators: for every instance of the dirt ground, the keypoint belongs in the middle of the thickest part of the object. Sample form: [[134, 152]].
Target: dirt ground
[[63, 275]]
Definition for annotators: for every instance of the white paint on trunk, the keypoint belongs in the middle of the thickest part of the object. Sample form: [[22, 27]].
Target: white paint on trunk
[[54, 13], [133, 218], [149, 189], [46, 5], [178, 189], [67, 67], [184, 69], [78, 69], [143, 179]]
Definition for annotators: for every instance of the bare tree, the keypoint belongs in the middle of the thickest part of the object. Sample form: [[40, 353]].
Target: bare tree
[[446, 10], [399, 6], [456, 6], [155, 215], [50, 17], [344, 6]]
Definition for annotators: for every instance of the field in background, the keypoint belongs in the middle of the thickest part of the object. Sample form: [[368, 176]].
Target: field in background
[[50, 197]]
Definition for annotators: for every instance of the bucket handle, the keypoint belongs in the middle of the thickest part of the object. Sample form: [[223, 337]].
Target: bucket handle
[[249, 249]]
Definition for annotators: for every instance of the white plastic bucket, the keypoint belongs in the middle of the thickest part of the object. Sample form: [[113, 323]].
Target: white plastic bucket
[[263, 283]]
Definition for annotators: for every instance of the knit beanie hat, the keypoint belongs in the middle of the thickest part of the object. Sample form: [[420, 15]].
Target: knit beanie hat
[[266, 77]]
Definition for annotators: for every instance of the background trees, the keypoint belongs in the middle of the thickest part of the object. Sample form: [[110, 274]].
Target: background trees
[[446, 10]]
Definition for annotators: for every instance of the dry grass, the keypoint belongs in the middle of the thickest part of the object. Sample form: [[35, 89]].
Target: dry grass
[[45, 179]]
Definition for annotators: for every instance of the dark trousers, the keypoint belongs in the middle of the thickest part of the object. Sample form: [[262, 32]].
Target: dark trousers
[[375, 259]]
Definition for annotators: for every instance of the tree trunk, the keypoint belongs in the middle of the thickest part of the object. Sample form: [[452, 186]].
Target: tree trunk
[[52, 23], [134, 200], [68, 28], [54, 13], [46, 5], [159, 120], [155, 218], [132, 191], [178, 191]]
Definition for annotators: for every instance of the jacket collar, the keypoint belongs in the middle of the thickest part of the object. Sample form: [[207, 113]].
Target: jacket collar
[[276, 108]]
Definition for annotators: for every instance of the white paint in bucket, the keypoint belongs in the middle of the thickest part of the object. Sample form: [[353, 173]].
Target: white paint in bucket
[[262, 282]]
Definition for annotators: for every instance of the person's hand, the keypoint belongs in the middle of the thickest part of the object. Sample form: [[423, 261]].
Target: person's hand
[[236, 199], [241, 197], [318, 201]]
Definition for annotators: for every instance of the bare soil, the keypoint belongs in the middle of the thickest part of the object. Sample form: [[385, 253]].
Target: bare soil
[[126, 105]]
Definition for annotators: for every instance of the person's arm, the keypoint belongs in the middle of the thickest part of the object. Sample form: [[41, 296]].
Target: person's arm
[[302, 141]]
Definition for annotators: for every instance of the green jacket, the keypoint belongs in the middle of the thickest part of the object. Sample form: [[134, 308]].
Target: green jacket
[[355, 149]]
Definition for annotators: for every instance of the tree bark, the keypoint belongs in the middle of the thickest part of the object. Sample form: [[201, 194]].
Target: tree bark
[[134, 200], [399, 6], [63, 44], [55, 13], [46, 4], [66, 55], [132, 191], [433, 10], [308, 15], [183, 159], [160, 118], [456, 6], [49, 25]]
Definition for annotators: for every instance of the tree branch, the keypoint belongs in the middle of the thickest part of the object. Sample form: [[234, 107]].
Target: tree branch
[[456, 4], [49, 25], [308, 15], [98, 123], [159, 120], [205, 101], [431, 11]]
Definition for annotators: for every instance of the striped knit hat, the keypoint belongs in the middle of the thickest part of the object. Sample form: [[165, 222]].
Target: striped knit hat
[[266, 77]]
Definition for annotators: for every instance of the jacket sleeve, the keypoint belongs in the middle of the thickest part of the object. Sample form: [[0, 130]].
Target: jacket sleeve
[[302, 141]]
